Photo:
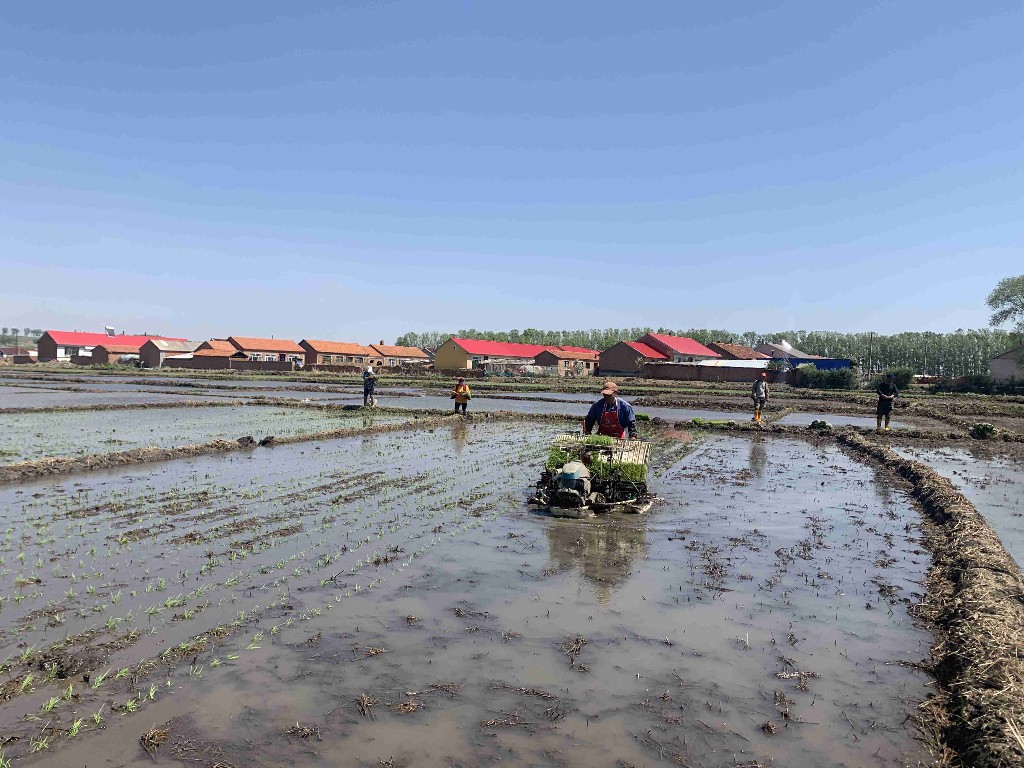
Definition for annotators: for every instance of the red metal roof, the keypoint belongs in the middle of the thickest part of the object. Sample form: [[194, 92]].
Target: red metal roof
[[77, 339], [337, 347], [251, 344], [646, 351], [390, 350], [682, 345], [500, 348]]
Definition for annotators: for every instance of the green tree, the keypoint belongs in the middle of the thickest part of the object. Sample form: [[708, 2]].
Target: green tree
[[1007, 302]]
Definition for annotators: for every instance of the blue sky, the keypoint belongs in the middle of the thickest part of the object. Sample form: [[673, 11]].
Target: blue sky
[[354, 172]]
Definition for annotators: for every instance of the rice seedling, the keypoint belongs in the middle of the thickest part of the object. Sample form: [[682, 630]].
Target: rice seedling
[[50, 704], [39, 743], [76, 726], [99, 679]]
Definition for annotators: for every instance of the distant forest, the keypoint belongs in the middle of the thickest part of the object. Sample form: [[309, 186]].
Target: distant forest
[[962, 353]]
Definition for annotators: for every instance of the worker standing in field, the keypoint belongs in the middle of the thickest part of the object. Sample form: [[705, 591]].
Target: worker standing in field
[[369, 385], [887, 394], [759, 394], [613, 416], [461, 394]]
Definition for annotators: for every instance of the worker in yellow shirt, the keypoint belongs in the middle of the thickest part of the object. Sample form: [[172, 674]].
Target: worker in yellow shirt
[[461, 395]]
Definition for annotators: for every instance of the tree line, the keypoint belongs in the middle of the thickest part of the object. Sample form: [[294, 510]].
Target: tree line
[[961, 353]]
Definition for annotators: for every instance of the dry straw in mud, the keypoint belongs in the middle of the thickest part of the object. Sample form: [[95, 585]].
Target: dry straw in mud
[[976, 600]]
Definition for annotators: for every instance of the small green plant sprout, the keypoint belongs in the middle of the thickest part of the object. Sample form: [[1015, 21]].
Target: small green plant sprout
[[51, 704], [97, 716], [232, 656], [256, 640], [26, 683], [122, 673], [98, 680], [131, 705], [39, 744], [26, 653], [69, 693], [152, 692], [76, 726], [5, 762], [215, 663]]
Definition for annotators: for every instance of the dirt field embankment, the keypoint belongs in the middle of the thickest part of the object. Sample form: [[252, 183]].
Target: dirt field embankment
[[976, 602]]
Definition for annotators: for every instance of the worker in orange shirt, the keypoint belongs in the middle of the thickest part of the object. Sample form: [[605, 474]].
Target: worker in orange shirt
[[461, 395]]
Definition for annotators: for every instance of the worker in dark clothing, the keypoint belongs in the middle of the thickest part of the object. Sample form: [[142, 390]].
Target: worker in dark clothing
[[759, 394], [369, 385], [613, 417], [887, 393]]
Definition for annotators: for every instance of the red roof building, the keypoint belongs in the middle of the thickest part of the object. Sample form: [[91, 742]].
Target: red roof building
[[678, 349], [62, 345], [470, 353], [268, 350], [627, 358]]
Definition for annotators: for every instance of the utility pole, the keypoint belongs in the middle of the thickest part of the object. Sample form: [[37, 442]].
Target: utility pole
[[871, 339]]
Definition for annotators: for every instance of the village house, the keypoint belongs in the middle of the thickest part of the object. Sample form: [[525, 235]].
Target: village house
[[317, 352], [678, 349], [108, 354], [735, 351], [268, 350], [782, 351], [393, 355], [473, 353], [1009, 365], [468, 354], [628, 358], [567, 362], [155, 351], [61, 346]]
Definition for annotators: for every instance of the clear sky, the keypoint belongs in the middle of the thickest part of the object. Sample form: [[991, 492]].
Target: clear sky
[[356, 170]]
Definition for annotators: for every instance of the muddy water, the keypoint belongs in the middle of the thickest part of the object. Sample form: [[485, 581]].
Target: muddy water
[[994, 484], [36, 435], [768, 587], [836, 419]]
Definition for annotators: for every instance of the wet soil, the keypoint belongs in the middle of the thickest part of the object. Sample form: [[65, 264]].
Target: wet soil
[[392, 601]]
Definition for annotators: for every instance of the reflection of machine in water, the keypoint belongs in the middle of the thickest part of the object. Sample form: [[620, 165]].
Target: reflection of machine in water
[[604, 552], [758, 457]]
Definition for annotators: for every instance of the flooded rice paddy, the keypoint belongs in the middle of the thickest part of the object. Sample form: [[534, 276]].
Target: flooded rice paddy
[[994, 484], [36, 435], [389, 599]]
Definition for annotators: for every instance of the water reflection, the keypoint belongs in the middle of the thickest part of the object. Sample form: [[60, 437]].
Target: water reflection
[[602, 550], [460, 434], [758, 457]]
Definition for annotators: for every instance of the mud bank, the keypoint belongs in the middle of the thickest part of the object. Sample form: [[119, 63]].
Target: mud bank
[[976, 602]]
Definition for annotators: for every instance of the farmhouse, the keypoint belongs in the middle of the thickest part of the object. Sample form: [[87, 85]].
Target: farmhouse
[[567, 362], [629, 357], [392, 355], [782, 352], [678, 349], [1009, 365], [268, 350], [319, 352], [736, 351], [63, 345], [107, 354], [155, 351], [473, 353]]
